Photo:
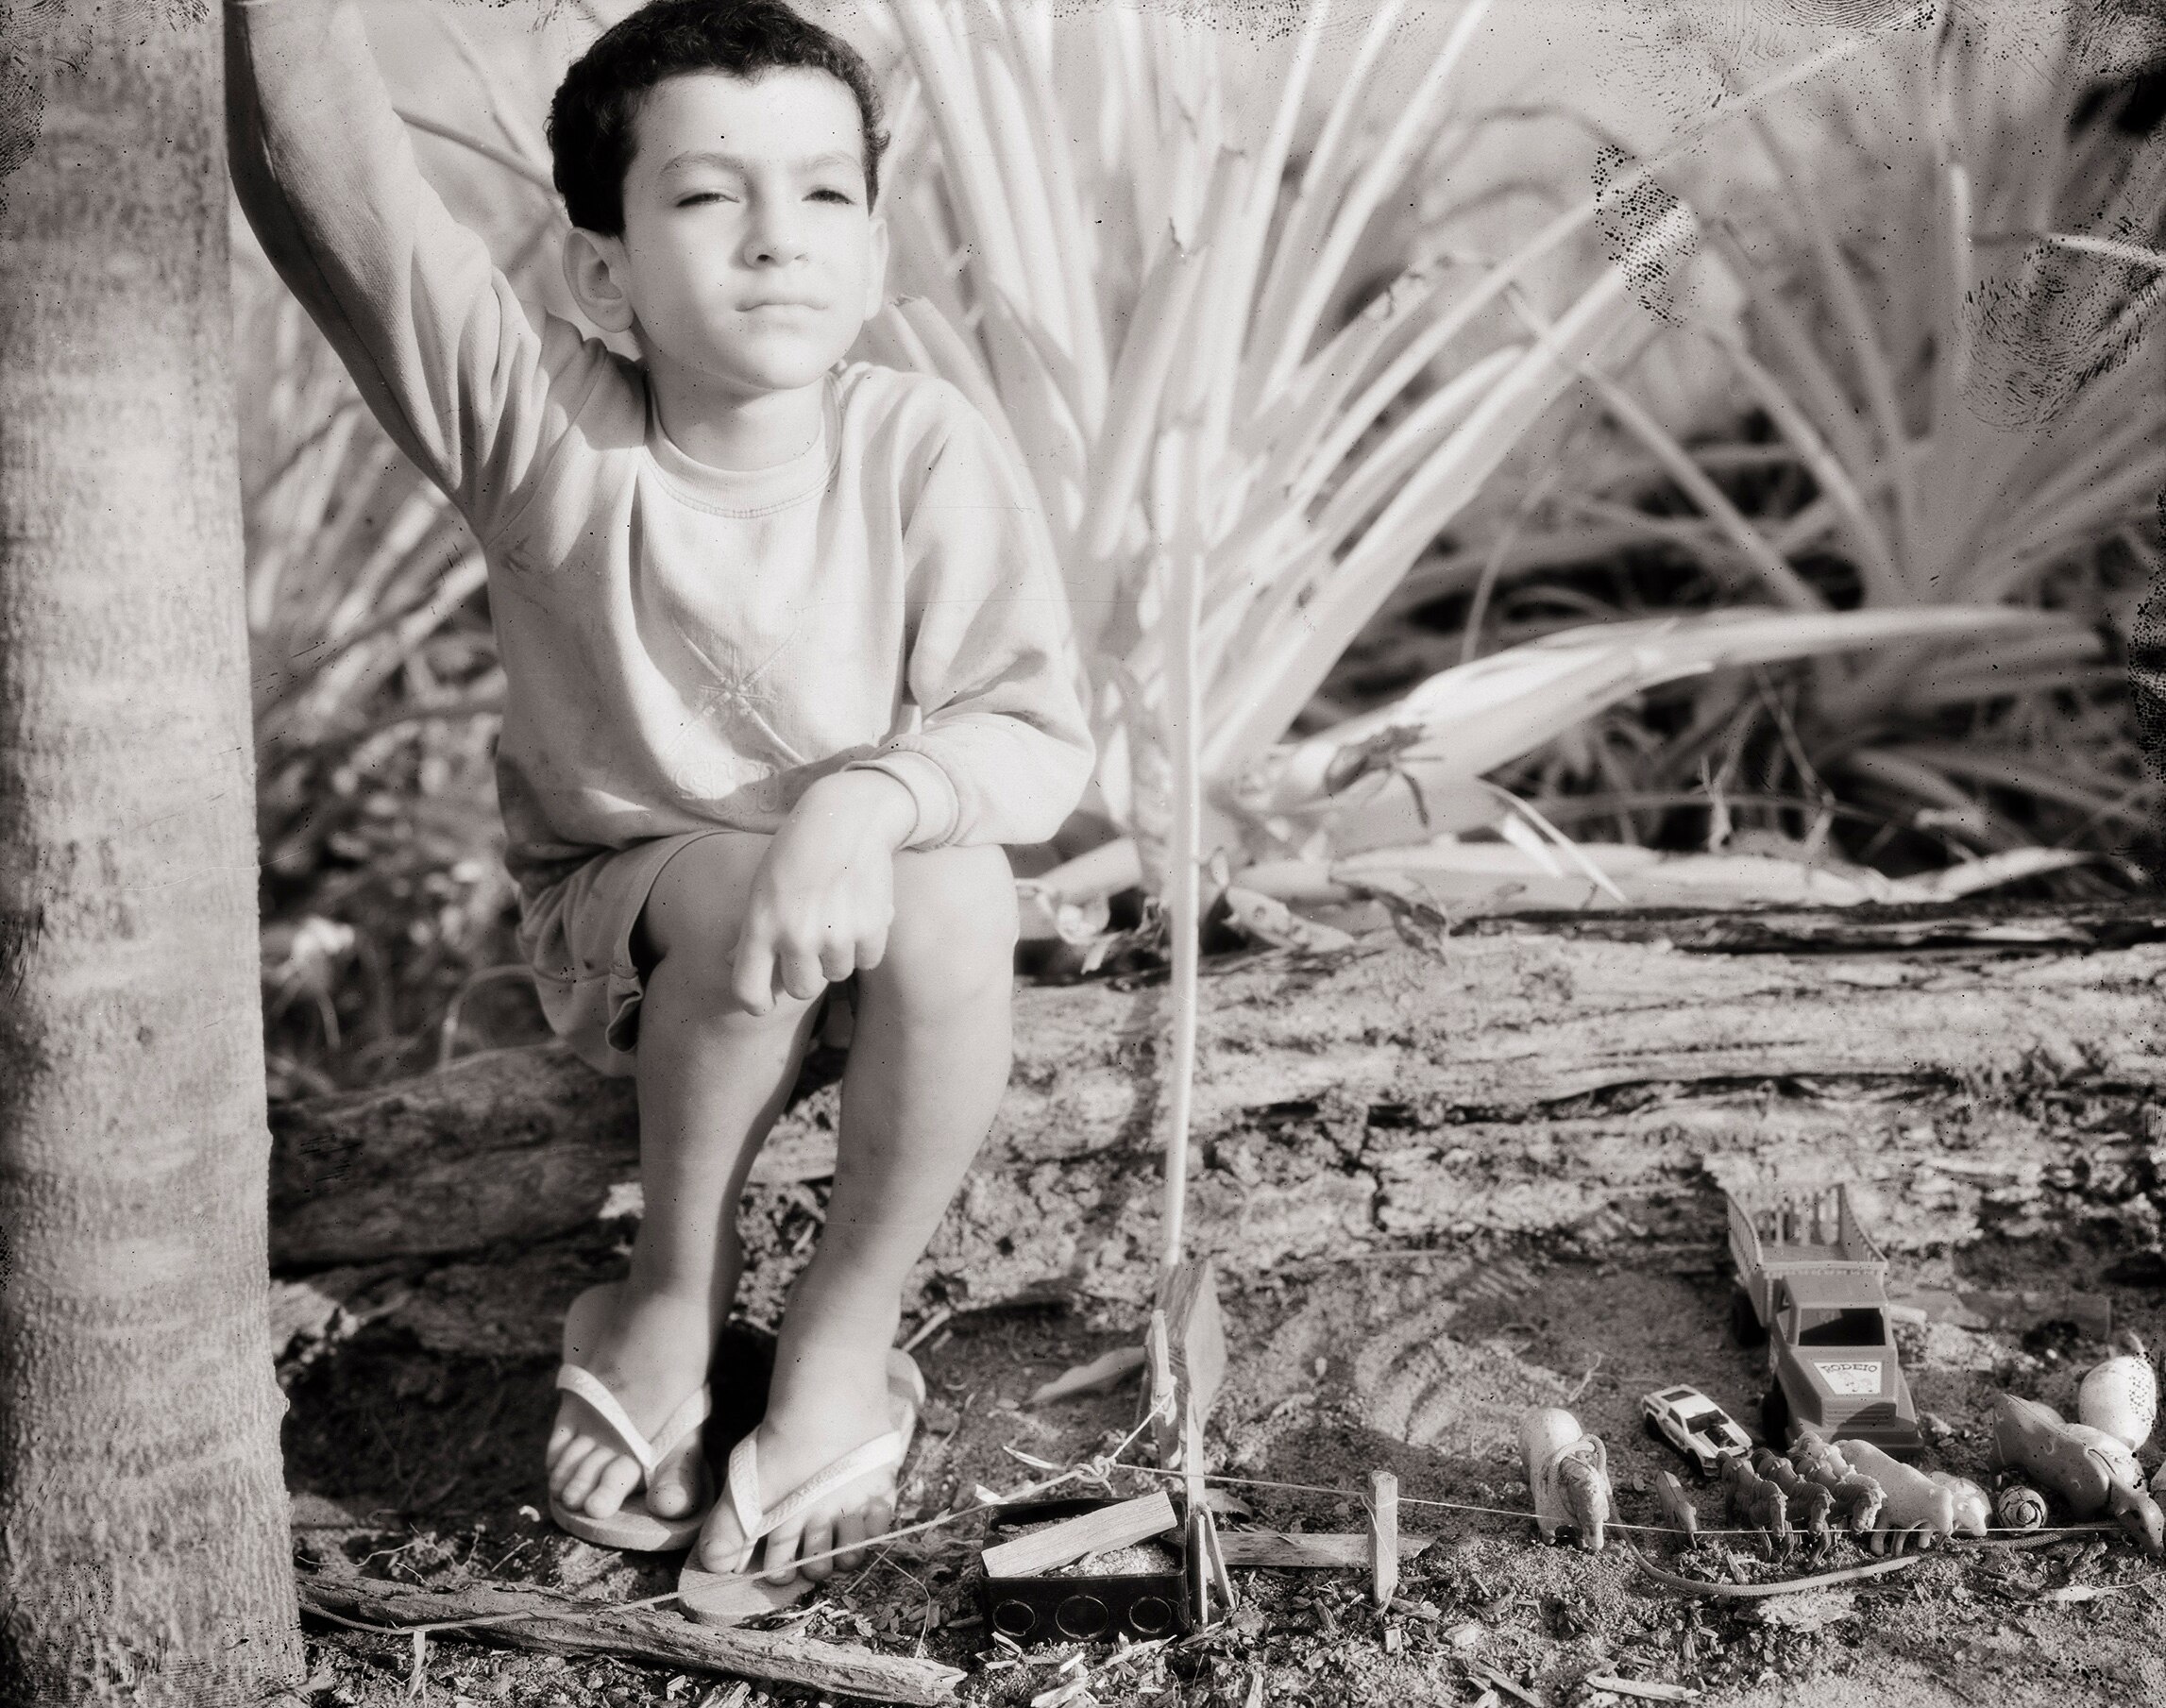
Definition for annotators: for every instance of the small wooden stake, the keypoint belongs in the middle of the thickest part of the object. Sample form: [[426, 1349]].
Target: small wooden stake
[[1383, 1536], [1214, 1557], [1198, 1569]]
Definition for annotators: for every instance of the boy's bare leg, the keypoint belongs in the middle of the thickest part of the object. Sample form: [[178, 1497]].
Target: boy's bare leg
[[711, 1080], [928, 1061]]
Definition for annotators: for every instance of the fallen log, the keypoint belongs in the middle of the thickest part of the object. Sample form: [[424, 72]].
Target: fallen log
[[562, 1625], [1548, 1037]]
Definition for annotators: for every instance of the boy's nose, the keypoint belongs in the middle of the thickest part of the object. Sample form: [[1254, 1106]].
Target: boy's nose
[[775, 239]]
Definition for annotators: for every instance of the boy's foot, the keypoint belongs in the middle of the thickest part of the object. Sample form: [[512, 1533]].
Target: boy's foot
[[827, 1415], [650, 1352]]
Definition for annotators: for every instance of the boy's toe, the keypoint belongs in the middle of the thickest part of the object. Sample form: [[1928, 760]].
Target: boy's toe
[[721, 1550], [563, 1464], [619, 1476], [580, 1480], [779, 1560], [850, 1532], [819, 1539], [674, 1490]]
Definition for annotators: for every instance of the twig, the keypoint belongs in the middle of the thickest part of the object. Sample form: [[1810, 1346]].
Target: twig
[[558, 1625], [1701, 1586], [1489, 1675], [1645, 1691]]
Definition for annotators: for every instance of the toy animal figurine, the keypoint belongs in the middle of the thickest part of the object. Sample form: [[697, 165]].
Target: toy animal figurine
[[2138, 1515], [2018, 1507], [1677, 1506], [1859, 1499], [2121, 1396], [1758, 1503], [2079, 1463], [1568, 1471], [1809, 1502], [1916, 1506], [1973, 1512]]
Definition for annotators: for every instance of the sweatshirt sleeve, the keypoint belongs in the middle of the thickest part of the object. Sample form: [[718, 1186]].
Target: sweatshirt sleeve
[[429, 329], [1004, 749]]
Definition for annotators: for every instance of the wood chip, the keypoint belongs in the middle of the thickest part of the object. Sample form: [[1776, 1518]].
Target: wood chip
[[1645, 1692], [1100, 1375], [1517, 1693]]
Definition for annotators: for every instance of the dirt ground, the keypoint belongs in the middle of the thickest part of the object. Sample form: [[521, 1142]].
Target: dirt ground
[[417, 1417]]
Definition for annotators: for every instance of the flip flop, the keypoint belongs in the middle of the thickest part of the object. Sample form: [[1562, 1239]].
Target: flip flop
[[730, 1598], [633, 1527]]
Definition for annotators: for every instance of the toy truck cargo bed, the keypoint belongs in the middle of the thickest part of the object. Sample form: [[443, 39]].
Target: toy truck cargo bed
[[1810, 1279]]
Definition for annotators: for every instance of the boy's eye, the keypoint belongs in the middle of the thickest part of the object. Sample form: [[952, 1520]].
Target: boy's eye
[[834, 196], [699, 196]]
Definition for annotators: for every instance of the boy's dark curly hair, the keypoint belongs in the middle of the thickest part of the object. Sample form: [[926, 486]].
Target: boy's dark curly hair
[[591, 134]]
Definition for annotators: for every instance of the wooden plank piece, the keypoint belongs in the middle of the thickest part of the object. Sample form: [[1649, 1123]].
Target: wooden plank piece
[[1094, 1532], [1161, 1395], [1306, 1550], [1383, 1538], [559, 1625], [1196, 1331]]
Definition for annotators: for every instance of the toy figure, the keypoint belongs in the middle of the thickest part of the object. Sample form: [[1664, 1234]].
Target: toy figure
[[2121, 1396], [1677, 1506], [1568, 1472], [1859, 1499], [1758, 1503], [1810, 1502], [1916, 1505], [1973, 1512], [2079, 1463]]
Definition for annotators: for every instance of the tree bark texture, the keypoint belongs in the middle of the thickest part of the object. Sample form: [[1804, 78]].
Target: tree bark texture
[[144, 1548], [1527, 1081]]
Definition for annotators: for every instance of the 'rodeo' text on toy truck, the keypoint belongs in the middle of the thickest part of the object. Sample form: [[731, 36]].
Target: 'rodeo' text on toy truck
[[1813, 1284]]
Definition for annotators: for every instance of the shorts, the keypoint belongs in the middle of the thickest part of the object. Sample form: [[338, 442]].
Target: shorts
[[577, 938]]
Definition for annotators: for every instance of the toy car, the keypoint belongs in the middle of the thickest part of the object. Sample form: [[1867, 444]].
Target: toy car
[[1812, 1284], [1695, 1425]]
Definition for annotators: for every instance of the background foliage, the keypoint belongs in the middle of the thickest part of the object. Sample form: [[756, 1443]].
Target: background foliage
[[1402, 490]]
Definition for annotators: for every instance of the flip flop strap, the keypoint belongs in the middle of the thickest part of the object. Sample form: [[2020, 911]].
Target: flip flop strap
[[878, 1454], [586, 1385]]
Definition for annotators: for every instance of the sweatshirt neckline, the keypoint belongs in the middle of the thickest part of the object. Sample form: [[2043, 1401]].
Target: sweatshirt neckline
[[751, 491]]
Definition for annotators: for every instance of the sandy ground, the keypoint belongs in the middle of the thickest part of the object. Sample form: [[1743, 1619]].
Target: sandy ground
[[414, 1447]]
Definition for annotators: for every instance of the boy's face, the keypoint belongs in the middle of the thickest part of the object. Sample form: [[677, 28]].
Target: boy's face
[[749, 260]]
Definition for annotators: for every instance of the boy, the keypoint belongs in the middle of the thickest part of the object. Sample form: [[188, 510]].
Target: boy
[[785, 670]]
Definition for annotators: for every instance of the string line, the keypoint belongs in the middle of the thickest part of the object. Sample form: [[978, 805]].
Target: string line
[[1097, 1469]]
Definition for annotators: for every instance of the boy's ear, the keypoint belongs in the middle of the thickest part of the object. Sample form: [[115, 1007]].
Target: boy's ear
[[876, 280], [594, 268]]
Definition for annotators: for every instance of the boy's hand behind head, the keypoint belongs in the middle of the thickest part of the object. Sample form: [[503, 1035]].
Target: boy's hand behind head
[[826, 894]]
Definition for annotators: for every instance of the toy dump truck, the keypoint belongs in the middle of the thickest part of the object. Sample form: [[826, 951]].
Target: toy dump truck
[[1812, 1283]]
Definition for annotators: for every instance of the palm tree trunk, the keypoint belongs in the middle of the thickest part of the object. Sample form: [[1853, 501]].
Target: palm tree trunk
[[143, 1551]]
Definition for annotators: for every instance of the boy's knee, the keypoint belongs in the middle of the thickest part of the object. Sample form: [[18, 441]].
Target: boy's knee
[[955, 928]]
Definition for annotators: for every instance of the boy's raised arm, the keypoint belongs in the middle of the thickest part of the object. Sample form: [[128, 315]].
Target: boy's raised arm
[[429, 329]]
